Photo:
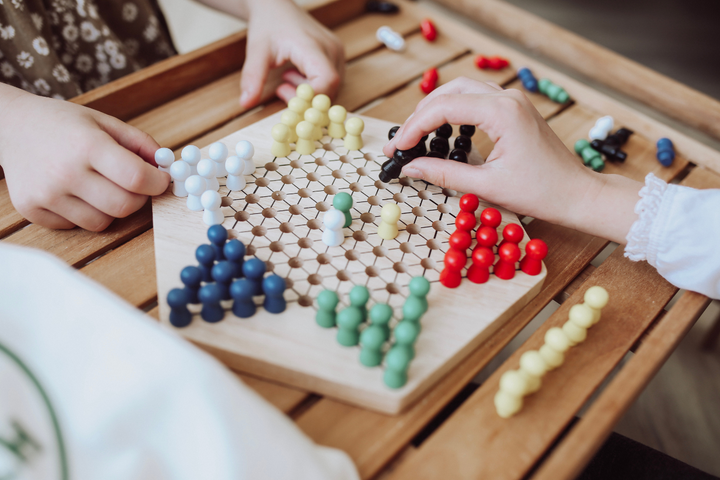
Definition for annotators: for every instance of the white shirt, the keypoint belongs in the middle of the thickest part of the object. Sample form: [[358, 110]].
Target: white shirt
[[678, 232], [90, 386]]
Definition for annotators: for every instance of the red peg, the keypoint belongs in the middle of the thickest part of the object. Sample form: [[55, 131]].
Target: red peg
[[535, 251], [490, 217], [486, 237], [481, 62], [427, 86], [482, 260], [431, 75], [427, 27], [509, 254], [513, 233], [497, 63], [455, 261], [460, 240], [465, 221], [469, 203]]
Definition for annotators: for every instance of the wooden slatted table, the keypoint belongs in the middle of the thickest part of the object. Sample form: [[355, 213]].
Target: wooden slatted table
[[193, 99]]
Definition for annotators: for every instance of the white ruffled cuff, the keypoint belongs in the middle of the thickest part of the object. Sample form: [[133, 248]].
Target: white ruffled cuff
[[639, 238]]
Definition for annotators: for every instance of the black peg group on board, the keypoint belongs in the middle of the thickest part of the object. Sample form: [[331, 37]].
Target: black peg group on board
[[439, 148]]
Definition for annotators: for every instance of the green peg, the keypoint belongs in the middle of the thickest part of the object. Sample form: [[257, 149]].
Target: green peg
[[343, 201], [371, 341], [420, 287], [397, 362], [590, 156], [406, 334], [327, 302], [413, 309], [597, 164], [380, 315], [348, 321], [554, 92], [359, 296]]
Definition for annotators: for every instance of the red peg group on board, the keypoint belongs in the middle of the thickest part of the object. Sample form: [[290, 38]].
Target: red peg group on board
[[483, 257]]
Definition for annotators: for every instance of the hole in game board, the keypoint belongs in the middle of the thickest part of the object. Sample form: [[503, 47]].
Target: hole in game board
[[355, 187], [360, 236], [380, 185], [286, 227], [226, 201], [278, 196], [295, 262], [259, 231], [288, 179], [321, 161], [419, 211], [328, 147], [297, 163], [374, 200], [305, 242], [331, 190], [324, 259], [250, 250], [406, 181], [444, 208], [289, 283], [312, 176], [262, 182], [363, 172], [372, 271], [413, 229], [305, 193], [269, 213], [448, 192], [400, 197], [242, 216], [424, 195], [369, 157], [322, 206], [351, 255], [338, 174], [407, 247], [269, 267], [314, 224], [295, 209], [439, 226], [271, 166], [232, 235], [367, 217], [380, 251], [433, 244], [305, 301], [344, 276], [428, 263], [252, 198], [314, 279], [393, 288], [400, 267], [345, 159], [276, 246]]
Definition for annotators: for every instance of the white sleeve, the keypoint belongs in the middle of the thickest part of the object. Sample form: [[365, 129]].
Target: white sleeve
[[90, 386], [678, 232]]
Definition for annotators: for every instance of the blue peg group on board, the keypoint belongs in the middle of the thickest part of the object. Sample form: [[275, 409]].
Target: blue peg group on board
[[528, 80], [223, 274], [665, 152]]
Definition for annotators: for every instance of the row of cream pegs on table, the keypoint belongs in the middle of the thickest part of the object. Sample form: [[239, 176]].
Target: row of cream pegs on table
[[515, 384]]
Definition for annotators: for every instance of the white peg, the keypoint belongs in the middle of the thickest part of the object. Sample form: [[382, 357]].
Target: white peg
[[179, 171], [245, 151], [333, 235], [195, 186], [206, 169], [191, 155], [211, 202], [218, 153], [391, 39], [164, 157], [235, 179]]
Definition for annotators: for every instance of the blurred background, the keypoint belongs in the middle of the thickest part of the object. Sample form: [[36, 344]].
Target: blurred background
[[679, 412]]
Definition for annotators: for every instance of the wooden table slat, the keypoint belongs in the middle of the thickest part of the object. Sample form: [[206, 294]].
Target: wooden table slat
[[10, 219], [476, 443]]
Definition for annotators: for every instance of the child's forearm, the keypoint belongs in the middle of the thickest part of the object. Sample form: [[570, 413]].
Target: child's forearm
[[243, 9]]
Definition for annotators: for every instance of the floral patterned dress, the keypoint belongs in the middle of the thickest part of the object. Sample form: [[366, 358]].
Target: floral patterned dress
[[62, 48]]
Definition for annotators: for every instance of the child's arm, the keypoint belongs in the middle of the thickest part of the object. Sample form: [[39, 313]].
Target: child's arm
[[529, 171], [280, 31], [68, 165]]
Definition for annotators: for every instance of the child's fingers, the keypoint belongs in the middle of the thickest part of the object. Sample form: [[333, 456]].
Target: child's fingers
[[254, 72], [127, 170], [81, 213], [129, 137], [48, 219], [109, 198], [447, 173], [285, 92], [319, 70], [293, 77]]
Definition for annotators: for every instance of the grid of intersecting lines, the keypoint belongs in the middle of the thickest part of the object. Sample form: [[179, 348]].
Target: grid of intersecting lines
[[279, 217]]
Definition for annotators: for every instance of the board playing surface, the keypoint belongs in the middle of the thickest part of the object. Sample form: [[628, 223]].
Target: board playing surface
[[279, 218]]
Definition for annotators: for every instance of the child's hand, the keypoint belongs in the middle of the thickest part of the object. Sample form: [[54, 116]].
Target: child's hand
[[68, 165], [529, 171], [280, 31]]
